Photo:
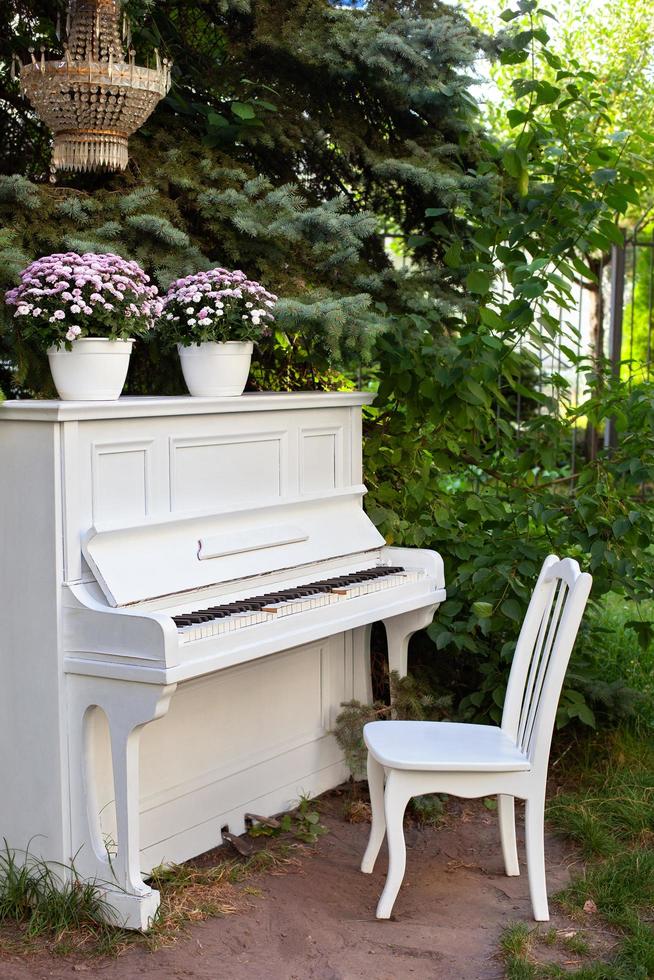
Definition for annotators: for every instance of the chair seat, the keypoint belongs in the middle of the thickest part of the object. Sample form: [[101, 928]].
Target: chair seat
[[438, 746]]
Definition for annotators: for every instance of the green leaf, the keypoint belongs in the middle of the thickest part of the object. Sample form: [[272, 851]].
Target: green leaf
[[583, 269], [478, 282], [415, 241], [581, 711], [491, 318], [243, 110], [512, 57], [482, 609], [523, 183], [215, 119], [621, 526], [512, 162], [512, 609], [474, 394], [531, 288], [547, 93], [517, 116], [605, 175], [452, 257]]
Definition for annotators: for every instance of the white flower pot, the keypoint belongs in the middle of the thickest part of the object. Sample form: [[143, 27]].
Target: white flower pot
[[216, 370], [94, 370]]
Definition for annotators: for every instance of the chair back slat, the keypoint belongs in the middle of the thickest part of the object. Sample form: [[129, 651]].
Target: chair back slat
[[529, 708], [542, 654], [535, 660]]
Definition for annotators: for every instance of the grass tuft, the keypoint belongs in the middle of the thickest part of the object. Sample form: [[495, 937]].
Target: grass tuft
[[32, 892], [53, 902], [63, 914], [515, 939]]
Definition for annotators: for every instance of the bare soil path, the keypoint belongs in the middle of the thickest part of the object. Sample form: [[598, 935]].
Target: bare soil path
[[317, 922]]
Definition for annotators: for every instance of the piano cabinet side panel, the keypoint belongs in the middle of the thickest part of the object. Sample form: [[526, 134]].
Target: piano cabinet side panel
[[251, 738], [33, 803]]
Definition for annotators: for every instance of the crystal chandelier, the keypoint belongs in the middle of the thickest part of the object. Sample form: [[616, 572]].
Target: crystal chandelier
[[93, 99]]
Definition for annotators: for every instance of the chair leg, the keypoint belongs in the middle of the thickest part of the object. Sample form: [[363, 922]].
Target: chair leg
[[378, 826], [396, 797], [506, 815], [535, 846]]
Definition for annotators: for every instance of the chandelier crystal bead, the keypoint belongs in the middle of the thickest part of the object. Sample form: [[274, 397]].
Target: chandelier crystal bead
[[93, 99]]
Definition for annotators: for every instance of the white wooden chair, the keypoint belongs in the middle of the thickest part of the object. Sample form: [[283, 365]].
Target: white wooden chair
[[409, 758]]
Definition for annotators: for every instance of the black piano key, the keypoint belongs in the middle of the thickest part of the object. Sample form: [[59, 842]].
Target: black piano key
[[190, 620]]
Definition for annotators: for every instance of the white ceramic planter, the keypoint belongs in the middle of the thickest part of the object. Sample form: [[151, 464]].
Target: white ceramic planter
[[94, 370], [216, 370]]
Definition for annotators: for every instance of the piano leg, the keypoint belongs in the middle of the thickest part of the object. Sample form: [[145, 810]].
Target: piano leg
[[128, 707], [399, 630]]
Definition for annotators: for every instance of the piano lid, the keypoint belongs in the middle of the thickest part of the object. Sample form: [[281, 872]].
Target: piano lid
[[156, 559]]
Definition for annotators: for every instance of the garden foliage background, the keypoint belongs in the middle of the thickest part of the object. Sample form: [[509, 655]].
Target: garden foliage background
[[339, 155]]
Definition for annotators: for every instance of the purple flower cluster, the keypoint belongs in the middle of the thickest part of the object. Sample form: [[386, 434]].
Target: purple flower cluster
[[64, 296], [218, 305]]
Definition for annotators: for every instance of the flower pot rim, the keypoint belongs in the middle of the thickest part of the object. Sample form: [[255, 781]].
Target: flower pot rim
[[61, 349], [215, 343]]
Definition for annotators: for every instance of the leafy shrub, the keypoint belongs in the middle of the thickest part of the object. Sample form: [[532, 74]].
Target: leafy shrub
[[450, 464]]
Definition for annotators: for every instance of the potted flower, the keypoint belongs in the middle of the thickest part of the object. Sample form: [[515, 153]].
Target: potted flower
[[84, 311], [214, 318]]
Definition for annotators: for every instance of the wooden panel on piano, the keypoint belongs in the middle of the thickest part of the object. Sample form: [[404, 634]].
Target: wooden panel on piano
[[121, 476], [230, 468], [248, 739], [321, 459]]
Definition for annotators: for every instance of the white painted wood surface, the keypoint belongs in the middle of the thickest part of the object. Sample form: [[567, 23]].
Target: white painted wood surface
[[136, 749]]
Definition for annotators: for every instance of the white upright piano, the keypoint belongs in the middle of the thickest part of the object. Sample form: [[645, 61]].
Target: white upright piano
[[187, 587]]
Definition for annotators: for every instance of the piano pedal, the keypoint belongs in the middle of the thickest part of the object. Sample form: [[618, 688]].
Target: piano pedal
[[240, 845], [253, 818]]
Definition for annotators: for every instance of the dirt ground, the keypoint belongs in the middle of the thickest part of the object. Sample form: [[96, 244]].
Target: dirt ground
[[317, 922]]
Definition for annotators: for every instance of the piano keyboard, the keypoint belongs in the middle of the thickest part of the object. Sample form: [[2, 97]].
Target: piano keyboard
[[225, 618]]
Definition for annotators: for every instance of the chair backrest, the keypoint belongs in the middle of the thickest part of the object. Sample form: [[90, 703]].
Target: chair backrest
[[542, 654]]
